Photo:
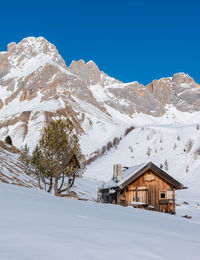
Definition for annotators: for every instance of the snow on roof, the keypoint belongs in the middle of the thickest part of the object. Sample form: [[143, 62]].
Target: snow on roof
[[125, 176], [135, 171]]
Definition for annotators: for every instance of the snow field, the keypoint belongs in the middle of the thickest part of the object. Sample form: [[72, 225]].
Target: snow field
[[36, 225]]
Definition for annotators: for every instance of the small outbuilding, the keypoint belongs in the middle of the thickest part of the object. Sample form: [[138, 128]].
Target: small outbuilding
[[142, 186]]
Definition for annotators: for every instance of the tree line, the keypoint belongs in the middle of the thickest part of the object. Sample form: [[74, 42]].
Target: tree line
[[111, 144]]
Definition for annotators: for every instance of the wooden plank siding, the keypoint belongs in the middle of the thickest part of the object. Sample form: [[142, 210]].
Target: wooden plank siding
[[147, 187]]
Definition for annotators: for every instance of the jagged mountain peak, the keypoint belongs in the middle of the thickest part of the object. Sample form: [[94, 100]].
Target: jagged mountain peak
[[32, 45], [182, 77], [88, 72], [83, 64], [33, 48], [36, 86]]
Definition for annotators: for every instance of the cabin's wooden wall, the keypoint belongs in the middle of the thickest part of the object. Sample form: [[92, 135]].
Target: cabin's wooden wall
[[154, 184]]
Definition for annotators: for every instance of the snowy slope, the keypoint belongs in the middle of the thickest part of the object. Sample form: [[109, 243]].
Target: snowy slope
[[171, 141], [36, 225], [36, 86], [10, 170]]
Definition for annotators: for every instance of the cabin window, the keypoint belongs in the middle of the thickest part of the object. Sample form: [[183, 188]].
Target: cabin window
[[163, 195]]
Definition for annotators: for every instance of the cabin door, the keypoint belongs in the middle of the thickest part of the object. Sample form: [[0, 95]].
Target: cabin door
[[140, 194]]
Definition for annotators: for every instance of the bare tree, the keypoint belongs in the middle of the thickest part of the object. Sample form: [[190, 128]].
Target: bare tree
[[189, 145], [148, 153], [116, 142], [109, 145], [103, 149], [197, 152], [166, 165]]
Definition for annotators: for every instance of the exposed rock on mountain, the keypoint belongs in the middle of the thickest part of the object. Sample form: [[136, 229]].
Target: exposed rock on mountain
[[36, 85]]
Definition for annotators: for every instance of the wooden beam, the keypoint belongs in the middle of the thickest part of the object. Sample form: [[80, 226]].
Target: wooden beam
[[174, 210]]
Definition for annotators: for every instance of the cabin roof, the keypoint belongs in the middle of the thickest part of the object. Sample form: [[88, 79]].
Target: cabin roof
[[133, 173]]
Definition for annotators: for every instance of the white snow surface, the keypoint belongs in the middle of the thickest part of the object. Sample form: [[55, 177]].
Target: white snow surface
[[32, 65], [172, 141], [36, 225], [102, 231]]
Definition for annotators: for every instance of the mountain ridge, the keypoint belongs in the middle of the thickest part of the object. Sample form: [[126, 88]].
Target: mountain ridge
[[37, 86]]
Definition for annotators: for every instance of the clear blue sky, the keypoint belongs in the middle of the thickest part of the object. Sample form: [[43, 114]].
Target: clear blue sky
[[128, 39]]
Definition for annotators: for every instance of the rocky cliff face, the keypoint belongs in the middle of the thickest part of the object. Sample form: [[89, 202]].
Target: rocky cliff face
[[36, 86]]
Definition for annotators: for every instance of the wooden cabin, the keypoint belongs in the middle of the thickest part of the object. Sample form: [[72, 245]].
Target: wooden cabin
[[142, 186]]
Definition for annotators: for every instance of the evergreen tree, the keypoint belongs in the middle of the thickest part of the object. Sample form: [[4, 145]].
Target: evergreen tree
[[8, 140], [57, 159]]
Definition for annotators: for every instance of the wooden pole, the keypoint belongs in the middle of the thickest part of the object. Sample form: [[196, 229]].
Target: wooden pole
[[174, 211], [118, 197], [136, 189]]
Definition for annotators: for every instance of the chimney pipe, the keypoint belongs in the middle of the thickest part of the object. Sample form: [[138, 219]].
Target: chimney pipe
[[117, 172]]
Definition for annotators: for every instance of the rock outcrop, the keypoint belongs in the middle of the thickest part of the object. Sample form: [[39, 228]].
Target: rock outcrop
[[35, 80]]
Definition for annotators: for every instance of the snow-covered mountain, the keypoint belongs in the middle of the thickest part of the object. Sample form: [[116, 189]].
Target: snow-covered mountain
[[36, 85]]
